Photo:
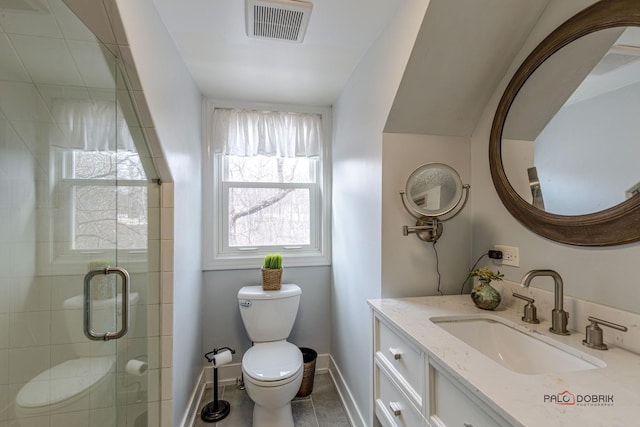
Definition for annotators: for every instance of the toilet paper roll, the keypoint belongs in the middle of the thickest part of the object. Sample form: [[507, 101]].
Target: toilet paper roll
[[136, 367], [221, 358]]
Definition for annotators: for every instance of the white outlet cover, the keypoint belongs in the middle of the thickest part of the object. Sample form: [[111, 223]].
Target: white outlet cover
[[510, 255]]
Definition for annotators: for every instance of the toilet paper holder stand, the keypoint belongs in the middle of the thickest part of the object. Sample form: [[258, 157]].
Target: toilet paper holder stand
[[217, 409]]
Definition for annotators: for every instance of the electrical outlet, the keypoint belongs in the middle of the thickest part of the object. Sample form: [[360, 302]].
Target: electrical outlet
[[510, 255]]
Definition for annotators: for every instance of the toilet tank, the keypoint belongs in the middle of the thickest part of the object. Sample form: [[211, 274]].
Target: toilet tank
[[268, 315], [104, 319]]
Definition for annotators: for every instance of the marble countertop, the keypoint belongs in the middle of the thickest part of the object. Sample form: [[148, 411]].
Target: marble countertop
[[520, 397]]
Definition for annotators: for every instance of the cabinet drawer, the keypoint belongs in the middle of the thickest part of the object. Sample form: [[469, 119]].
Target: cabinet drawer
[[393, 409], [402, 357], [452, 407]]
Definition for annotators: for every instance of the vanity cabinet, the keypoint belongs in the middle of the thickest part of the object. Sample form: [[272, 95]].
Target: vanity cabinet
[[452, 404], [411, 389], [399, 378]]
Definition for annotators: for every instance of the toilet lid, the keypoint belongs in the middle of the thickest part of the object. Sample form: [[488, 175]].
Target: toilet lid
[[273, 361], [64, 381]]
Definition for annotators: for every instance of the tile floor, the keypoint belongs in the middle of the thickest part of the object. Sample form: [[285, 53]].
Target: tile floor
[[323, 408]]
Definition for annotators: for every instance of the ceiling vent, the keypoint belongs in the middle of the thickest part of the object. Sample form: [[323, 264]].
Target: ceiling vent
[[284, 20]]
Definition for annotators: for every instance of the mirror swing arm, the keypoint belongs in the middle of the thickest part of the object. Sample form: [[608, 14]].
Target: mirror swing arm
[[430, 228]]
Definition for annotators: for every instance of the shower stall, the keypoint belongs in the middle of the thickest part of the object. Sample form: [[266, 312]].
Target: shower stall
[[79, 230]]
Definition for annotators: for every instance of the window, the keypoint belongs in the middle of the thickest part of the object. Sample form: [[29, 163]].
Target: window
[[265, 187], [101, 202], [94, 201]]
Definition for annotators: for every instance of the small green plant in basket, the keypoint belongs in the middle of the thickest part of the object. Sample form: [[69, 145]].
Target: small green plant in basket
[[273, 261], [272, 272]]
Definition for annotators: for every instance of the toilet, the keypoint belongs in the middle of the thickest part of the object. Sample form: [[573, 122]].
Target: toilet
[[81, 383], [272, 368]]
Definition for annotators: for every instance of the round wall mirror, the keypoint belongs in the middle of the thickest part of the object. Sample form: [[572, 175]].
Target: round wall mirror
[[433, 190], [564, 151]]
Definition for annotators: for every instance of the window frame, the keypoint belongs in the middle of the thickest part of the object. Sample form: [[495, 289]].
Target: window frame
[[216, 252], [62, 257]]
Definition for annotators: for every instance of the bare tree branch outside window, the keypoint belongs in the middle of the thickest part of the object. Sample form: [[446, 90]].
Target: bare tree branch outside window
[[105, 213], [272, 215]]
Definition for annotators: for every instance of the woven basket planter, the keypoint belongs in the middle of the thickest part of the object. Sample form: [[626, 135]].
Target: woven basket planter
[[271, 279]]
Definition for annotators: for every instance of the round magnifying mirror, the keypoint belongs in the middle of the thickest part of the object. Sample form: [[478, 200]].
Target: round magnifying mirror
[[433, 189]]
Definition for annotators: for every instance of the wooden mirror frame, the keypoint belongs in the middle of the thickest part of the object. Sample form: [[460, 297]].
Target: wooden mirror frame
[[614, 226]]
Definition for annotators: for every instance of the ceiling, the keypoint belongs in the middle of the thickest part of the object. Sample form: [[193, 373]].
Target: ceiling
[[226, 64], [457, 61]]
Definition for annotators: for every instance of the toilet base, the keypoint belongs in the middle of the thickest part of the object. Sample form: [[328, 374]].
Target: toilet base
[[272, 417]]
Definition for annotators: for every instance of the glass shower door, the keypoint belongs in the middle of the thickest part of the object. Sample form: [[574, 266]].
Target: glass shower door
[[78, 193]]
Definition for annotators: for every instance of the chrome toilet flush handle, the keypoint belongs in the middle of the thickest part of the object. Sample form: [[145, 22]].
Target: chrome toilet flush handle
[[594, 334]]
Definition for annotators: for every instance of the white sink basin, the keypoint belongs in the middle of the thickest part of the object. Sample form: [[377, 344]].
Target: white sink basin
[[514, 347]]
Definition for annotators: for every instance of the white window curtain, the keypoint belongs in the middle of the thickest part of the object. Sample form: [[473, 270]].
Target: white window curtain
[[268, 133], [91, 126]]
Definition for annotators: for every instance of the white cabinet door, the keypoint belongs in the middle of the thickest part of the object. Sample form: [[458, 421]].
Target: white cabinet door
[[452, 407]]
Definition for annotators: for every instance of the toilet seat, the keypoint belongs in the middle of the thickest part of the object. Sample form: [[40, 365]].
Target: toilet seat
[[272, 364], [65, 382]]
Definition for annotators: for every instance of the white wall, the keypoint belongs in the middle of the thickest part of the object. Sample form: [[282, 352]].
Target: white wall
[[359, 117], [408, 263], [221, 322], [606, 128], [604, 275], [175, 107], [517, 158]]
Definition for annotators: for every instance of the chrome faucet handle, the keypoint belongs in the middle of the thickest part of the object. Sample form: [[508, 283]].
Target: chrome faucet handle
[[530, 311], [594, 334]]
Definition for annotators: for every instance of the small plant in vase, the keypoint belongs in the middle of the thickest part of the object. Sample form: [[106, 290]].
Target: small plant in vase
[[484, 295], [272, 272]]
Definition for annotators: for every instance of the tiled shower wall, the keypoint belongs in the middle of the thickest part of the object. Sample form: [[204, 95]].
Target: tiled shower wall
[[26, 299], [103, 18], [166, 304], [33, 329]]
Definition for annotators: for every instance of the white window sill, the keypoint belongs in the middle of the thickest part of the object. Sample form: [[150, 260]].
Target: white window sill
[[237, 263]]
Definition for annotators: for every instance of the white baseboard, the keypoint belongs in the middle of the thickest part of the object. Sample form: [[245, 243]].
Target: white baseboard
[[354, 414], [196, 397]]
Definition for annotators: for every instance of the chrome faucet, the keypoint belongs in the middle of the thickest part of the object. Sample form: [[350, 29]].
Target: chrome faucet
[[559, 317]]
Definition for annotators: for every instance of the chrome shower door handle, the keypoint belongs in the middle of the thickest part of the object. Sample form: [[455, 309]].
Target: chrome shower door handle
[[88, 327]]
